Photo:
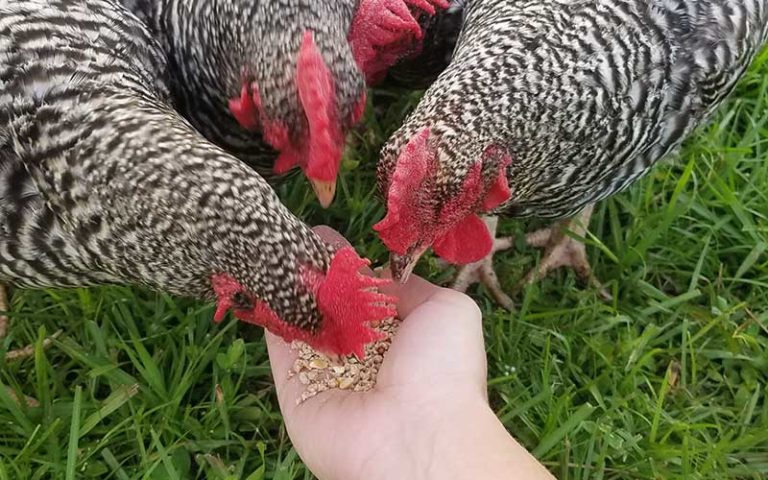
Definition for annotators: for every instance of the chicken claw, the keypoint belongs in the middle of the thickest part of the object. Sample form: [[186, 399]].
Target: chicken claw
[[562, 250]]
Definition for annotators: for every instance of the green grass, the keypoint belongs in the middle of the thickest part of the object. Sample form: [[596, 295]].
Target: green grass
[[668, 381]]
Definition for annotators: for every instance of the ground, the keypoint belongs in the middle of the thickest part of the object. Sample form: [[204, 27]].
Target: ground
[[666, 382]]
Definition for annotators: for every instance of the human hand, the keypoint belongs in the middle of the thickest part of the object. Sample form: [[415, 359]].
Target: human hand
[[428, 415]]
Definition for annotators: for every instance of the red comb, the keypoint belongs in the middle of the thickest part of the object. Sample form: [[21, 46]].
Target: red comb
[[457, 235], [347, 300], [403, 224], [385, 30], [318, 97], [320, 153], [349, 304]]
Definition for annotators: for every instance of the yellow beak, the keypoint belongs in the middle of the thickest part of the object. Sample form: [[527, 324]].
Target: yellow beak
[[325, 191]]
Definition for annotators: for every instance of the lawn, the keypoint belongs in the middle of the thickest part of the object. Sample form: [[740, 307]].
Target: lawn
[[668, 381]]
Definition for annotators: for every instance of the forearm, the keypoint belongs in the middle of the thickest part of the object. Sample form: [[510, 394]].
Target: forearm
[[476, 445]]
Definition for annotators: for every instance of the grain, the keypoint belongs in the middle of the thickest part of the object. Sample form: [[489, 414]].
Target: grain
[[319, 373]]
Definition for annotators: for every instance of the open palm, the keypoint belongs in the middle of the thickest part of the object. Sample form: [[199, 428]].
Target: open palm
[[434, 371]]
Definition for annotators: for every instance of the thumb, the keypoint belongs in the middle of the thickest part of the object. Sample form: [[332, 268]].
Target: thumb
[[410, 294]]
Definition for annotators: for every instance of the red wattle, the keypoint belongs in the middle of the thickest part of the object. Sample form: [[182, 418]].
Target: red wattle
[[224, 287], [286, 160], [467, 242]]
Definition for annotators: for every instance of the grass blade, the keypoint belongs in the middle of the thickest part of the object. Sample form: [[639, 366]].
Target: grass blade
[[74, 433]]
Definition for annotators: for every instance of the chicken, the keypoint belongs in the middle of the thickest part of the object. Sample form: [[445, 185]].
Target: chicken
[[288, 72], [435, 50], [103, 182], [547, 107]]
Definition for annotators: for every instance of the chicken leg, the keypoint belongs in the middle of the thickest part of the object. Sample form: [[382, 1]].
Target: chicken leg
[[3, 310], [20, 353], [4, 321], [483, 272], [562, 250]]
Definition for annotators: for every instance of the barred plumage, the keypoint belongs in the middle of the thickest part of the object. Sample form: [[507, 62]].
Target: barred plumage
[[586, 96], [547, 107], [216, 45], [288, 76], [102, 181]]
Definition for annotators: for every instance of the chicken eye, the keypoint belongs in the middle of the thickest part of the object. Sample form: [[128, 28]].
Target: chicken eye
[[240, 301]]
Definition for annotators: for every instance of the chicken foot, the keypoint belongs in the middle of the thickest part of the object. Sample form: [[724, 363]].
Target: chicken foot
[[4, 322], [20, 353], [562, 250]]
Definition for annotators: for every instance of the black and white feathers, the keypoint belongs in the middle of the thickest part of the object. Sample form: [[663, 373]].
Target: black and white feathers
[[102, 181], [585, 96], [215, 47]]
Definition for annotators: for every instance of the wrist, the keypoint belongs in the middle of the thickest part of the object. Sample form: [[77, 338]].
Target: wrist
[[467, 442]]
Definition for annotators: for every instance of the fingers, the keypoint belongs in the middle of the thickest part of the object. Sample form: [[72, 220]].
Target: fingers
[[281, 358], [410, 294], [415, 292]]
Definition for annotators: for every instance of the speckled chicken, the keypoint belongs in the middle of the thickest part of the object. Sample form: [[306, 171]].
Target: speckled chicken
[[547, 107], [291, 72], [102, 181], [433, 53]]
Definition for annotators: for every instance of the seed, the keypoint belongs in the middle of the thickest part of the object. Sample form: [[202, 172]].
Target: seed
[[346, 382], [298, 365], [318, 372], [318, 364]]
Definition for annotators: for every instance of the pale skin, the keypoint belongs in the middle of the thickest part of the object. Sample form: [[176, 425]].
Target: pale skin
[[428, 416]]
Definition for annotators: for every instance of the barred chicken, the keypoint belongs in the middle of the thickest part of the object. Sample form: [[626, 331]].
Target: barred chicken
[[547, 107], [288, 72], [102, 182], [433, 53]]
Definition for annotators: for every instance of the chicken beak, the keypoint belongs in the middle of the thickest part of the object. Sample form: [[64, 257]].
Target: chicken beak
[[324, 190], [402, 266]]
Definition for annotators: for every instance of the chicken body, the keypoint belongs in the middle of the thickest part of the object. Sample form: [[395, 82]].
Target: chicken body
[[101, 181], [288, 76], [549, 106]]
